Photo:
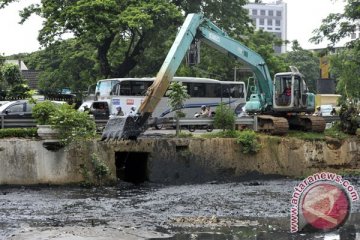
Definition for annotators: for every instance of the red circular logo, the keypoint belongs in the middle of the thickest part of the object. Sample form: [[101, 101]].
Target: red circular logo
[[325, 206]]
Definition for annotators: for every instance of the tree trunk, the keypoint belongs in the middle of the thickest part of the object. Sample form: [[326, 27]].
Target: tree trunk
[[177, 126], [102, 52]]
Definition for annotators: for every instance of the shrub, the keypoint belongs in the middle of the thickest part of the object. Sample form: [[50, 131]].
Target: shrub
[[18, 132], [224, 117], [247, 139], [72, 125], [42, 112]]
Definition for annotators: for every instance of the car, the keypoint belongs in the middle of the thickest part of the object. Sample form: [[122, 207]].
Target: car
[[326, 110], [18, 110]]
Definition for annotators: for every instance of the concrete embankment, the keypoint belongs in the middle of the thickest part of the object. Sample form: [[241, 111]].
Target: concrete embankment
[[172, 160]]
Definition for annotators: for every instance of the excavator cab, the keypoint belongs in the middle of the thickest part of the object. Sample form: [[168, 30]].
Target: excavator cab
[[291, 93]]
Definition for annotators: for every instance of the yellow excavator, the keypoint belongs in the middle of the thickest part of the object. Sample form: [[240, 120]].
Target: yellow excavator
[[278, 104]]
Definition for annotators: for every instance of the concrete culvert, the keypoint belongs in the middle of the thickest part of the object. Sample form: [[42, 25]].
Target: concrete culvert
[[132, 166]]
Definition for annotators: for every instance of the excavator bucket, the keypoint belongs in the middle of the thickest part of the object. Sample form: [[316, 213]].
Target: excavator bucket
[[122, 128]]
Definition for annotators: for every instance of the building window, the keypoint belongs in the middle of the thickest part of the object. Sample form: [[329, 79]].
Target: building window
[[269, 22], [269, 28], [271, 13], [277, 22], [261, 22], [278, 13], [262, 12], [353, 35], [261, 28], [278, 29], [254, 12]]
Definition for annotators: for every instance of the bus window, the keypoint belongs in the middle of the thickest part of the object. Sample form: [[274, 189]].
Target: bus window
[[235, 91], [138, 88], [115, 90], [125, 88], [225, 91], [197, 89], [213, 90], [103, 88]]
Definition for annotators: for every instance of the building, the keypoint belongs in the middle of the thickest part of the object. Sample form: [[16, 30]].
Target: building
[[270, 17]]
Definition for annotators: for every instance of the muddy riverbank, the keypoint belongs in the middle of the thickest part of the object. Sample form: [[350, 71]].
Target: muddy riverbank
[[256, 209]]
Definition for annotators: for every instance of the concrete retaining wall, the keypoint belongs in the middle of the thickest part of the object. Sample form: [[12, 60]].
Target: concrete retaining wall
[[176, 160]]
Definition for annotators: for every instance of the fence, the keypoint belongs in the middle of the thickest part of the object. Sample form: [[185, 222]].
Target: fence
[[30, 122]]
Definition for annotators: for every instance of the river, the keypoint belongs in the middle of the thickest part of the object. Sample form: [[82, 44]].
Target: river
[[257, 209]]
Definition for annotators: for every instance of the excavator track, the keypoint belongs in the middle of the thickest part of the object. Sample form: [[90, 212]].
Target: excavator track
[[311, 123], [272, 125]]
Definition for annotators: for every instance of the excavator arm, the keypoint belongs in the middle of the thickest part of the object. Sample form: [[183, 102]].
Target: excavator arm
[[194, 26]]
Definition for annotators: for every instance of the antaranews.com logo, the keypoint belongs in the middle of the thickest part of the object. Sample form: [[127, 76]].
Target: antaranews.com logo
[[321, 201]]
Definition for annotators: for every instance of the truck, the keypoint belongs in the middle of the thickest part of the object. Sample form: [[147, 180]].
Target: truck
[[277, 103]]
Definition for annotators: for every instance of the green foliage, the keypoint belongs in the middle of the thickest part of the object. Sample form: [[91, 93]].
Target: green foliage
[[185, 135], [12, 83], [336, 132], [119, 31], [73, 125], [222, 134], [263, 43], [312, 136], [306, 62], [349, 117], [248, 140], [337, 26], [67, 64], [177, 94], [345, 65], [42, 112], [11, 74], [18, 132], [224, 117], [100, 168]]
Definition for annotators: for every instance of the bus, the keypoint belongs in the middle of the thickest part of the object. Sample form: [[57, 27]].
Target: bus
[[129, 92]]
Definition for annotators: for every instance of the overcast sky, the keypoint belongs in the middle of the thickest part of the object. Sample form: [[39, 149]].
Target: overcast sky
[[303, 17]]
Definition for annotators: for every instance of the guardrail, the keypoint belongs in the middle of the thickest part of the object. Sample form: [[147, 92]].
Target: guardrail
[[30, 122]]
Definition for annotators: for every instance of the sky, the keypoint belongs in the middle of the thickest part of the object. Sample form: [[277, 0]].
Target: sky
[[303, 17]]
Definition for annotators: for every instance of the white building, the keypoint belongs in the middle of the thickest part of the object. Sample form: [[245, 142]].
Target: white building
[[271, 17]]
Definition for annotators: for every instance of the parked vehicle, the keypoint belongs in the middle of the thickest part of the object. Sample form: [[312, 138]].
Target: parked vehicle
[[326, 110], [19, 110]]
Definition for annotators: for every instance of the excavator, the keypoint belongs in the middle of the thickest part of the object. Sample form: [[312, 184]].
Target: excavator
[[277, 104]]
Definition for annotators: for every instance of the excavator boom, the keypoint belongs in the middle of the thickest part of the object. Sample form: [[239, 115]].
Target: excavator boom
[[130, 127]]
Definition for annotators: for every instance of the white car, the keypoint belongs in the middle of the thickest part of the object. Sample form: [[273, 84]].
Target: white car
[[326, 110]]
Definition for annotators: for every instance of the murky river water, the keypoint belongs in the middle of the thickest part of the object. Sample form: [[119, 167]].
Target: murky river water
[[216, 211]]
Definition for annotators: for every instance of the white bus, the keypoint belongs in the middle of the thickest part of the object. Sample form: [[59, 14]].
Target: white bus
[[128, 92]]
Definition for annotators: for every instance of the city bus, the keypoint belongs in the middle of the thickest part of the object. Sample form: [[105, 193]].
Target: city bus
[[129, 92]]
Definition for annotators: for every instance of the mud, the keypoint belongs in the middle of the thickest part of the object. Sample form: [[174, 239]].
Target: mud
[[233, 210]]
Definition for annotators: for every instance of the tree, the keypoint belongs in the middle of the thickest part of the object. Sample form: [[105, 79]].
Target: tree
[[306, 62], [224, 117], [177, 95], [122, 32], [345, 64], [118, 30], [66, 64], [336, 26], [13, 85]]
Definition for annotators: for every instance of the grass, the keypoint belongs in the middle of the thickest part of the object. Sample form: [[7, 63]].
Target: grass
[[335, 133], [306, 135], [221, 134]]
